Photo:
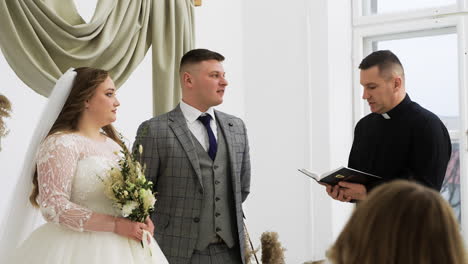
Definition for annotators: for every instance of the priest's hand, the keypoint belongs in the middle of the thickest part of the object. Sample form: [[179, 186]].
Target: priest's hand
[[336, 192], [354, 191]]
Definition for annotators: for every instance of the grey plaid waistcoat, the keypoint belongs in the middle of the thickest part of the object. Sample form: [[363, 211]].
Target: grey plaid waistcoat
[[217, 215]]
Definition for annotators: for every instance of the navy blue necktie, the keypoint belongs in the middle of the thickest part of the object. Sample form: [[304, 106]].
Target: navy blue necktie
[[211, 138]]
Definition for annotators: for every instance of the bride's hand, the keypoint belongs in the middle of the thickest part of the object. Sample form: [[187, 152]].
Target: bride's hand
[[150, 225], [130, 229]]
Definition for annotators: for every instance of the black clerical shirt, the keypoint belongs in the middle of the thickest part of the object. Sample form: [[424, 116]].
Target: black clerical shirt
[[409, 142]]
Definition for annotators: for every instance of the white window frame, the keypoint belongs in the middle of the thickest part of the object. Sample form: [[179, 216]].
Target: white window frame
[[360, 19], [380, 26]]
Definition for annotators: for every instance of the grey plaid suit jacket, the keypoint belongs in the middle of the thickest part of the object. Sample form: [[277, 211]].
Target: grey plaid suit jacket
[[172, 164]]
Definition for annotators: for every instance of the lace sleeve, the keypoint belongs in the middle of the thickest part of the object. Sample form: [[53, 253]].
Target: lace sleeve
[[56, 164]]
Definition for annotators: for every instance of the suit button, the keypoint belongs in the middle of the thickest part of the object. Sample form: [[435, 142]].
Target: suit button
[[218, 229], [215, 167], [200, 191], [217, 182], [217, 199], [217, 214], [196, 219]]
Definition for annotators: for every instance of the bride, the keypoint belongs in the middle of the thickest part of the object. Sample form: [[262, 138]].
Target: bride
[[79, 147]]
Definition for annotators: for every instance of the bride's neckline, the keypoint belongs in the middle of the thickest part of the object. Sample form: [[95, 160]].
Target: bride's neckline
[[92, 139]]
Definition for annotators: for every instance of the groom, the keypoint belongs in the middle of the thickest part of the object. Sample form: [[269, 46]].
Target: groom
[[198, 160]]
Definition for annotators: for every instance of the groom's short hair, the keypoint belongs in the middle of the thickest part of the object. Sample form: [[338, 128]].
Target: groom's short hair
[[198, 55]]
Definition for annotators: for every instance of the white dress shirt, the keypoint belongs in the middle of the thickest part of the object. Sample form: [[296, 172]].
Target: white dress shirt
[[196, 127]]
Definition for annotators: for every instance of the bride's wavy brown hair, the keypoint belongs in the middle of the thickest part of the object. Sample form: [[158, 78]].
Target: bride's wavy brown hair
[[84, 87]]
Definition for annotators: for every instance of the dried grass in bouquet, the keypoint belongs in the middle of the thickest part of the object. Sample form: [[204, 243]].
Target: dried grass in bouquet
[[5, 110]]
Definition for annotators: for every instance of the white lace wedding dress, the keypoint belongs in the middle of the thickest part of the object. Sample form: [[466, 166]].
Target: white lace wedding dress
[[73, 202]]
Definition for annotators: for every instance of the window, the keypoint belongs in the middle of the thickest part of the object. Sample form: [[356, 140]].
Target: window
[[372, 7], [431, 68]]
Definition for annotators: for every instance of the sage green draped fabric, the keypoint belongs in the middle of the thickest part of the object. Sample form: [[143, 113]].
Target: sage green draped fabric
[[41, 39]]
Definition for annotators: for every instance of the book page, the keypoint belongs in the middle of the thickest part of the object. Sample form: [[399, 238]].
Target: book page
[[310, 174]]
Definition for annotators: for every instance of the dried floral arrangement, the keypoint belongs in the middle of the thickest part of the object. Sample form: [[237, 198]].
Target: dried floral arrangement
[[5, 111]]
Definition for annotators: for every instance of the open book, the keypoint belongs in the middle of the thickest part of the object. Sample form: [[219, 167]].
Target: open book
[[343, 174]]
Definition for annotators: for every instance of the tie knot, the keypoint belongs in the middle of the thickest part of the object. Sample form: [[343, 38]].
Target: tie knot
[[205, 119]]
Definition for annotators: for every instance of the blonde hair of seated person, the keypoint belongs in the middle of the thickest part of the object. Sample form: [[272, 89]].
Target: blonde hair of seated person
[[400, 222]]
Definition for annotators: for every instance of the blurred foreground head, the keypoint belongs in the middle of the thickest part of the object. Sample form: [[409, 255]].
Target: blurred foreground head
[[400, 222]]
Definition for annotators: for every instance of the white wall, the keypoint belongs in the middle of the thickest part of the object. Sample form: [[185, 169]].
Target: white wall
[[27, 105], [340, 98], [218, 27], [288, 67], [297, 76], [277, 111]]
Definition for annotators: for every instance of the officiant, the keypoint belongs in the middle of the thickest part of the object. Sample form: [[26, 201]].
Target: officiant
[[400, 139]]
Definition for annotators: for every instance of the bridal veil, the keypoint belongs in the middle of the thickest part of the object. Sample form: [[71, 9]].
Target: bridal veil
[[21, 218]]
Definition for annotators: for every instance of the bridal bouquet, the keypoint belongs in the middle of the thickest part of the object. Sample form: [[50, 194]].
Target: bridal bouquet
[[127, 186]]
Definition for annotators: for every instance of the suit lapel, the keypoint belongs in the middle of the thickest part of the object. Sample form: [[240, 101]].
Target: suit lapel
[[179, 126], [225, 124]]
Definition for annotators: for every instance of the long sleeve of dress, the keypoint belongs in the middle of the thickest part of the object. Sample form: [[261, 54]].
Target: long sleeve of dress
[[56, 165]]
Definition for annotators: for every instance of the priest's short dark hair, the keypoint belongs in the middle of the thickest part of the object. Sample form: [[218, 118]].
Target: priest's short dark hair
[[385, 60]]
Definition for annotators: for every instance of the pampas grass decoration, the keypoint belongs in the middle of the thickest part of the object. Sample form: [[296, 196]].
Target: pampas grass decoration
[[272, 251], [250, 252], [5, 109]]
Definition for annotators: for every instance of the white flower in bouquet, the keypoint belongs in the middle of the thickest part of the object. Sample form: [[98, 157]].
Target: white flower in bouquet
[[128, 208], [140, 149], [148, 199], [140, 172]]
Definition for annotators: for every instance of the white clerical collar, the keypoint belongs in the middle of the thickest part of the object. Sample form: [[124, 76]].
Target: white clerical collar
[[191, 114], [386, 116]]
